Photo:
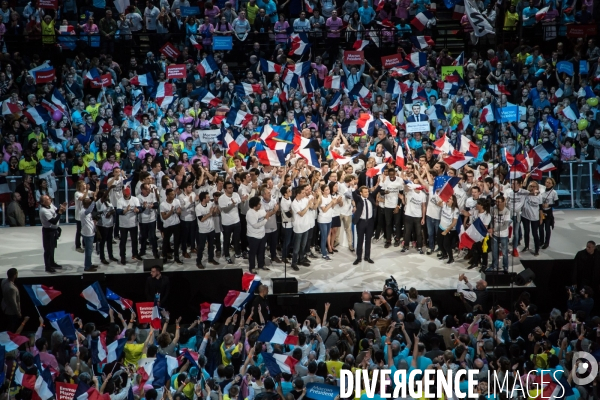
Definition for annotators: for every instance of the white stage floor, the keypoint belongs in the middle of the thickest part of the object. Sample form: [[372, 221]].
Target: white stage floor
[[22, 248]]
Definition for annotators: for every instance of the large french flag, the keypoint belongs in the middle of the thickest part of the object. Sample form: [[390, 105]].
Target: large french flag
[[421, 20], [237, 117], [299, 44], [391, 128], [125, 304], [267, 156], [400, 160], [62, 322], [12, 341], [279, 363], [311, 157], [443, 146], [457, 160], [207, 66], [142, 80], [272, 334], [42, 388], [115, 350], [236, 299], [466, 146], [95, 299], [333, 82], [418, 59], [239, 144], [59, 101], [9, 108], [24, 380], [378, 170], [542, 152], [38, 115], [446, 185], [359, 45], [206, 97], [422, 42], [246, 89], [165, 94], [85, 392], [270, 66], [474, 234], [41, 295], [210, 311]]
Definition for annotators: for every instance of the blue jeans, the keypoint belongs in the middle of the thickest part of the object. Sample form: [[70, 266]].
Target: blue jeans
[[88, 242], [324, 228], [504, 245], [288, 233], [516, 227], [432, 227]]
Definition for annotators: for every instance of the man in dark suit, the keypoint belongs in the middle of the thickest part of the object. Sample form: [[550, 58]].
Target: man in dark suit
[[364, 180], [177, 27], [364, 220]]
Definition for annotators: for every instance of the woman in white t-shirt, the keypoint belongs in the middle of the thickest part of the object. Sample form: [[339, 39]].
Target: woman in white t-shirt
[[447, 229], [336, 222], [482, 212], [324, 219], [530, 216], [549, 200]]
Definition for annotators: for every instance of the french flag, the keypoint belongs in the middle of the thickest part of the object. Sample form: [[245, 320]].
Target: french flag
[[365, 124], [210, 311], [373, 172], [206, 97], [236, 299], [125, 304], [545, 166], [269, 66], [207, 66], [238, 117], [290, 78], [189, 355], [571, 112], [299, 44], [542, 152], [38, 115], [460, 60], [391, 128], [422, 42], [448, 87], [421, 20], [85, 392], [250, 282], [464, 124], [466, 146], [272, 334], [541, 14], [457, 159], [498, 90], [308, 84], [474, 234], [397, 87], [400, 160], [458, 11], [359, 45], [95, 299], [11, 341], [311, 157], [41, 295], [335, 101], [361, 91], [195, 43], [114, 351], [92, 75], [59, 101], [62, 322], [42, 387], [24, 380], [418, 59], [267, 156], [165, 94], [300, 69], [443, 145], [445, 185], [436, 112], [155, 319], [487, 114], [279, 363], [142, 80], [9, 108], [246, 89], [340, 159], [333, 82]]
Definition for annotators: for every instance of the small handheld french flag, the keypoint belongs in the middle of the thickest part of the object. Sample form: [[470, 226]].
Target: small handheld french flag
[[475, 233], [272, 334], [62, 322], [250, 282], [210, 311], [279, 363], [41, 295], [236, 299], [95, 299], [125, 304]]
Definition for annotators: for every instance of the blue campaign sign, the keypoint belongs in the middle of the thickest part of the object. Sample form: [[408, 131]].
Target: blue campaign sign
[[321, 391], [222, 42], [565, 66], [583, 67], [190, 11], [509, 114]]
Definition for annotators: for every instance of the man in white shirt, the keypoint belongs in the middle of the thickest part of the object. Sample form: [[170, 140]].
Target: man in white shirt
[[117, 179], [187, 198], [301, 209], [128, 208], [392, 188], [287, 221], [88, 232], [151, 14], [414, 216], [268, 204], [170, 209], [230, 220], [515, 200], [50, 219], [499, 233], [257, 218], [149, 204], [247, 190], [205, 212]]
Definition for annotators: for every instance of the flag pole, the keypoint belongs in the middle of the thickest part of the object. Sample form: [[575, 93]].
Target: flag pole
[[38, 311]]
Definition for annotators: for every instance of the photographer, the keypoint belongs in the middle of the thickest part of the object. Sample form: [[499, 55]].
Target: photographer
[[582, 301]]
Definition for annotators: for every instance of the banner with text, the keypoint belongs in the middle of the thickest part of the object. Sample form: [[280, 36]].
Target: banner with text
[[209, 136], [421, 126], [577, 31], [176, 71], [509, 114], [564, 66], [322, 391], [65, 391], [450, 70], [388, 62], [48, 4], [144, 312], [170, 50], [189, 11], [354, 57]]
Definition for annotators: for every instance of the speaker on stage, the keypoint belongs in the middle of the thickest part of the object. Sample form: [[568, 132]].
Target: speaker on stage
[[91, 278], [498, 278], [288, 300], [150, 262], [524, 277], [285, 285]]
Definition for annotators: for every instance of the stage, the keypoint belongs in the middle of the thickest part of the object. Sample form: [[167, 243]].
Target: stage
[[22, 248]]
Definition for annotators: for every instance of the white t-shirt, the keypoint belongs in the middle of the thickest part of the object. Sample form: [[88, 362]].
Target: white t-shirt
[[87, 223], [312, 214], [151, 16], [531, 209], [393, 187], [286, 206], [117, 192], [46, 214], [232, 216], [271, 225], [433, 210], [301, 223], [135, 20], [187, 207], [515, 200], [129, 219], [216, 164], [256, 221], [207, 225], [149, 214], [413, 203], [104, 209], [166, 207], [325, 216], [78, 203], [549, 197], [448, 215]]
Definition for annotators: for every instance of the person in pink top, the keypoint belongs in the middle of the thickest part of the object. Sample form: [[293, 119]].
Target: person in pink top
[[334, 28], [567, 152], [89, 27], [280, 28], [321, 69], [146, 150], [41, 346]]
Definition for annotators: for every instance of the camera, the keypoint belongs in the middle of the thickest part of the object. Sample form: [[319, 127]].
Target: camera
[[393, 284], [312, 336], [572, 289]]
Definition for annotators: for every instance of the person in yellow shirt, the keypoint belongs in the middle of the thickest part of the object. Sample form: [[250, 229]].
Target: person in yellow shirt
[[334, 365], [228, 349], [93, 108], [28, 164], [134, 351]]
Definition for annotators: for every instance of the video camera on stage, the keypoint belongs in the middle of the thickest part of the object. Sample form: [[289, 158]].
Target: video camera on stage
[[393, 284]]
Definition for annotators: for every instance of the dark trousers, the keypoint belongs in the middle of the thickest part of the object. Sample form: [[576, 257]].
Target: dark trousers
[[172, 230], [311, 233], [546, 230], [243, 237], [380, 222], [257, 252], [217, 239], [106, 241], [413, 224], [49, 240], [288, 233], [535, 230], [30, 213], [479, 256], [271, 240], [364, 233], [117, 228], [148, 234], [392, 221], [201, 239], [231, 232], [188, 235], [78, 234], [446, 242], [123, 241]]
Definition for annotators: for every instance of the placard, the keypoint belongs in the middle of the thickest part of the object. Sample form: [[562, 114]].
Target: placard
[[354, 57], [176, 71], [322, 391], [421, 126], [170, 50], [388, 62], [564, 66], [144, 312], [104, 81], [450, 70], [577, 31], [222, 43], [210, 135], [583, 67], [44, 76], [48, 4], [65, 391], [509, 114], [189, 11]]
